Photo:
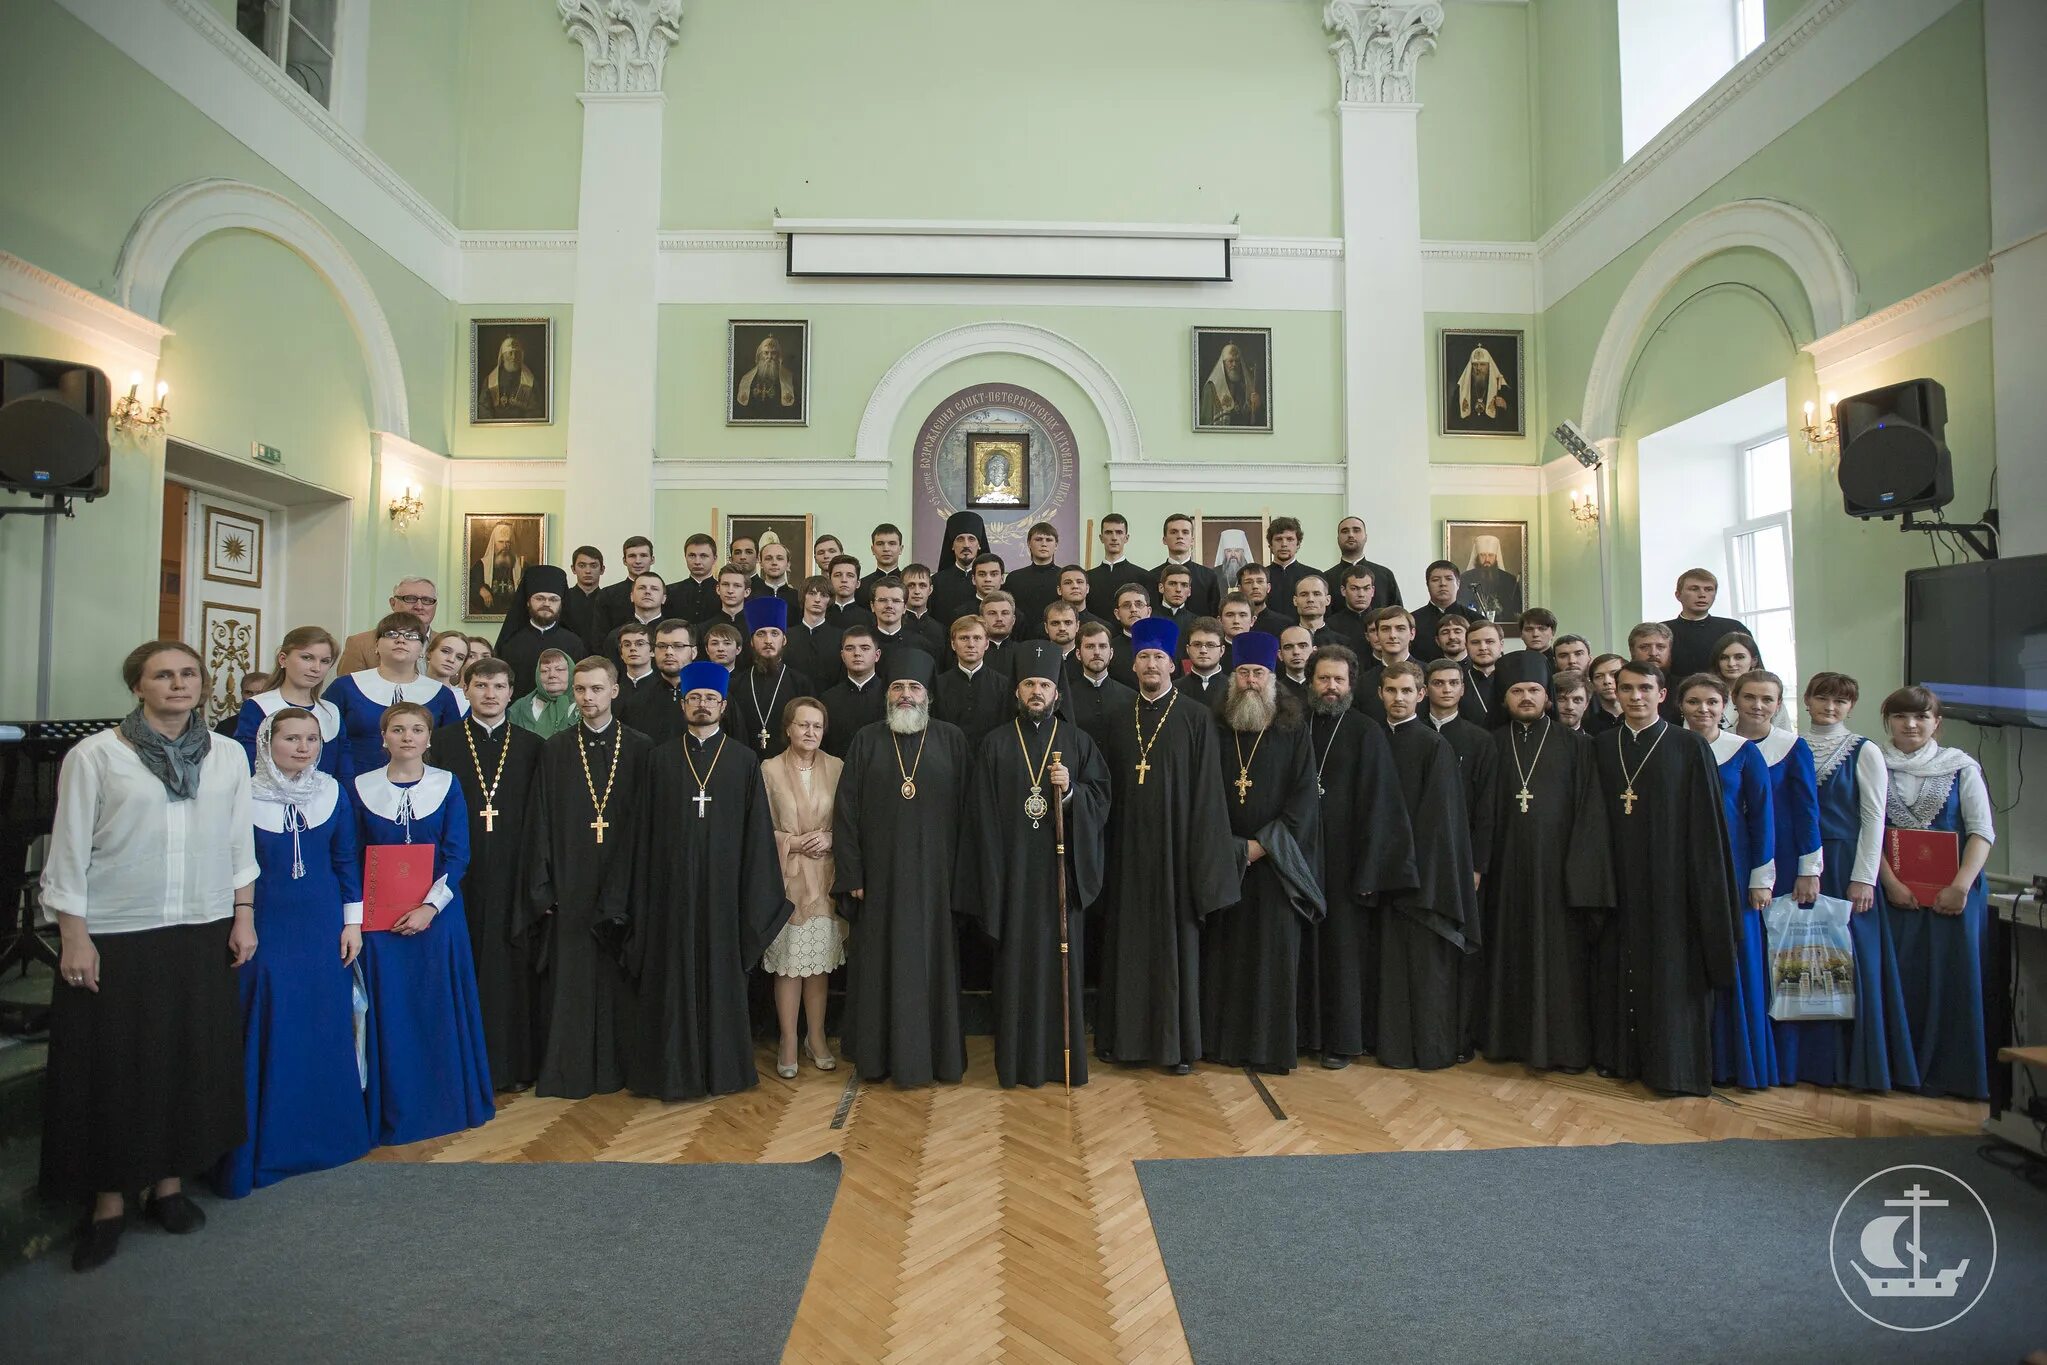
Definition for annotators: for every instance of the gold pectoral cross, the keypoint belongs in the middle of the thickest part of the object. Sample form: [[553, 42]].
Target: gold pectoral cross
[[1143, 767], [490, 818], [1524, 796], [600, 824], [1243, 784], [1628, 801]]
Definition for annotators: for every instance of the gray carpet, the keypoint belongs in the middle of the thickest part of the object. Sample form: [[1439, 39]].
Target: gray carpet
[[428, 1263], [1714, 1251]]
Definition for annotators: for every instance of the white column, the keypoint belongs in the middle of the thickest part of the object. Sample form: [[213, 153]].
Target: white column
[[613, 338], [1385, 340], [2014, 35]]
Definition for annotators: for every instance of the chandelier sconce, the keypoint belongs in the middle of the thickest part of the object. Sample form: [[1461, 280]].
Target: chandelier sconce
[[1584, 509], [406, 507], [1822, 432], [131, 413]]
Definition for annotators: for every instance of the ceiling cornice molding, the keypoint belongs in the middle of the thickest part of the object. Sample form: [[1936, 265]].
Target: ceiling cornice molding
[[122, 335], [1933, 312]]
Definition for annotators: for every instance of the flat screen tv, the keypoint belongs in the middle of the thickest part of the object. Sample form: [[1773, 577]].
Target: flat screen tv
[[1976, 636]]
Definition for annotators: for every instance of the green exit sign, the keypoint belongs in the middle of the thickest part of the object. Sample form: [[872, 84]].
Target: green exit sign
[[266, 454]]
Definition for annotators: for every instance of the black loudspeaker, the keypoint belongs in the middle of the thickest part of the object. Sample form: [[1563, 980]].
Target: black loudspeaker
[[53, 428], [1894, 455]]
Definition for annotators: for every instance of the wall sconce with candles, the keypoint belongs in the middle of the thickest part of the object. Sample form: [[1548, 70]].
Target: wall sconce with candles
[[131, 414], [1822, 433], [1584, 509], [406, 507]]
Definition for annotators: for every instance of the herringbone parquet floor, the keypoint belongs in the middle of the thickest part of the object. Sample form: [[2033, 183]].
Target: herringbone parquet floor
[[974, 1224]]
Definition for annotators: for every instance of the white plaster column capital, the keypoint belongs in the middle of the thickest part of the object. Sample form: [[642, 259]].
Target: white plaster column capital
[[1378, 46], [625, 42]]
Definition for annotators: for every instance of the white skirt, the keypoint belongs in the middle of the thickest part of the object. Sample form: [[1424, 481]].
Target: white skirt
[[811, 948]]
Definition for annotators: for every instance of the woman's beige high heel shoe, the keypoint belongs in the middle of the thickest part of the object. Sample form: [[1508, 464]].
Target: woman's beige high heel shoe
[[826, 1062]]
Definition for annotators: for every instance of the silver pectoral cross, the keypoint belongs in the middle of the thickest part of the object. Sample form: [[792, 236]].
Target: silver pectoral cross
[[702, 800]]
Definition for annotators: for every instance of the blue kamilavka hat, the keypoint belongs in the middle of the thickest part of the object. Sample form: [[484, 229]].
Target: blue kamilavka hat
[[704, 675]]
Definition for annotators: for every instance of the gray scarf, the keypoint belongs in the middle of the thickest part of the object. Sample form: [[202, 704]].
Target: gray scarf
[[176, 762]]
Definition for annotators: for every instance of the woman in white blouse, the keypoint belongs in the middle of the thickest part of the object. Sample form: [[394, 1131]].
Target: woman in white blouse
[[151, 875]]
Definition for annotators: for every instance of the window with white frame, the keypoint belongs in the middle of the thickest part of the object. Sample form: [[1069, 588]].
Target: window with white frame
[[1672, 52], [1759, 555], [301, 36]]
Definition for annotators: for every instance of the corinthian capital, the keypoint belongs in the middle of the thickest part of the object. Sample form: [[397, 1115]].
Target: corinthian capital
[[624, 42], [1378, 46]]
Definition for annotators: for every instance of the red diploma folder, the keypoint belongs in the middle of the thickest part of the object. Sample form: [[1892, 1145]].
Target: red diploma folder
[[396, 878], [1925, 860]]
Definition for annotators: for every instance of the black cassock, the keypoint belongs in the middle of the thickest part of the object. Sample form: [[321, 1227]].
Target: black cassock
[[849, 710], [586, 885], [655, 710], [507, 988], [756, 704], [976, 704], [706, 902], [1473, 745], [1008, 885], [1670, 940], [902, 968], [1095, 707], [1367, 852], [1171, 863], [522, 652], [1547, 890], [1251, 951], [1423, 933]]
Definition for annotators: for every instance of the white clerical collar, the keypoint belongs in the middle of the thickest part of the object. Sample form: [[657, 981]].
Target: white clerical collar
[[1727, 746], [810, 624], [1353, 563], [1165, 692], [269, 815], [970, 672], [382, 691], [376, 793], [489, 727], [860, 684], [1112, 559], [890, 634], [1396, 724], [1298, 679], [1177, 562], [773, 585], [1440, 721], [540, 629], [597, 729], [1213, 672], [326, 712], [635, 677], [844, 601], [1638, 732]]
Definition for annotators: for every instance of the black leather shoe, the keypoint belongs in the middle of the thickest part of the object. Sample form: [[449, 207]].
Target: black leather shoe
[[1183, 1068], [97, 1242], [176, 1214], [1334, 1061]]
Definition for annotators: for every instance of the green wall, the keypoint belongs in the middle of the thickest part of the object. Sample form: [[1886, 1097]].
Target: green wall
[[521, 127], [1474, 133], [414, 115], [1577, 102]]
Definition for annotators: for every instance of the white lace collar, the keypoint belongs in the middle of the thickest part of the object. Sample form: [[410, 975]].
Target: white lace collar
[[379, 689], [380, 796], [1727, 746], [269, 815], [1830, 745], [326, 712]]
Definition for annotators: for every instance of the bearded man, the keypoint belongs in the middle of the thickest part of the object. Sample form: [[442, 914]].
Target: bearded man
[[769, 388], [1251, 950]]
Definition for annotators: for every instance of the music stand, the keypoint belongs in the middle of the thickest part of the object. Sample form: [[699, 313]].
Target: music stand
[[31, 753]]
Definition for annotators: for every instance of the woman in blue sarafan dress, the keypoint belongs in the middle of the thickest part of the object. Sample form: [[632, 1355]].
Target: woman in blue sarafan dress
[[304, 659], [1873, 1051], [1944, 945], [362, 698], [298, 991], [428, 1069], [1805, 1050], [1743, 1052]]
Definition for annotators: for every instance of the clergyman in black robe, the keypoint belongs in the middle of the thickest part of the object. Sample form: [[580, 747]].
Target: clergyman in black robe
[[1547, 888], [1424, 932], [1367, 853], [1473, 745], [495, 762], [530, 629], [582, 832], [895, 849], [1009, 882], [707, 900], [1251, 951], [1670, 941], [1171, 864], [763, 683]]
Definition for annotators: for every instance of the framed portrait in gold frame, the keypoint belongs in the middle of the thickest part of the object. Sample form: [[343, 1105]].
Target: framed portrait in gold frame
[[998, 469]]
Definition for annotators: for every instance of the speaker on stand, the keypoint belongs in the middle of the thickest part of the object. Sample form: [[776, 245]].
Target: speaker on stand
[[54, 446]]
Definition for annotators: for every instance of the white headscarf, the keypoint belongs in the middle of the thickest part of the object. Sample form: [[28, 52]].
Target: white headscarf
[[269, 784], [1486, 545]]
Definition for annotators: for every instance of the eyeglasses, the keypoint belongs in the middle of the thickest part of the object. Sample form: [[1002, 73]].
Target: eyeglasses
[[414, 599], [411, 635]]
